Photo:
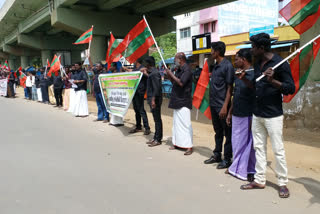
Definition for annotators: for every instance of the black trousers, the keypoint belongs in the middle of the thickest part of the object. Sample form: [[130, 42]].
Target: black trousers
[[29, 92], [45, 93], [156, 113], [58, 96], [222, 130], [138, 106]]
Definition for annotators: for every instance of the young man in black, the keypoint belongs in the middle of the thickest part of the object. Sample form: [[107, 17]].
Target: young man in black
[[154, 98], [268, 113], [138, 101], [221, 86]]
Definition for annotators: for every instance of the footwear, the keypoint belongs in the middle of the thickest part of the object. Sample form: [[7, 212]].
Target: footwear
[[189, 151], [135, 131], [155, 143], [252, 185], [106, 121], [147, 132], [284, 192], [150, 142], [213, 159], [97, 120], [224, 164]]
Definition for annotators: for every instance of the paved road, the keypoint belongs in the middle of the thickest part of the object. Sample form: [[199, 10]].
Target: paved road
[[51, 162]]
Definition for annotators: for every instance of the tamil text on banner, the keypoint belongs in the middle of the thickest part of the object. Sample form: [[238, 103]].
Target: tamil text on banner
[[3, 87], [118, 90]]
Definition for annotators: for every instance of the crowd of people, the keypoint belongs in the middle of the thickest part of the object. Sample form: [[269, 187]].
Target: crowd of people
[[245, 112]]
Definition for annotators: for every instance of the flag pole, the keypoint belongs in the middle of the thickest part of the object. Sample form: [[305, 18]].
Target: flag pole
[[90, 43], [291, 55], [155, 42]]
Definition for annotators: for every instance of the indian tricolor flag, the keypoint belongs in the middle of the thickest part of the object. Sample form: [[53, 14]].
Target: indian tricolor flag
[[55, 66], [301, 14], [301, 66], [135, 44], [113, 43], [86, 37], [6, 66], [201, 97]]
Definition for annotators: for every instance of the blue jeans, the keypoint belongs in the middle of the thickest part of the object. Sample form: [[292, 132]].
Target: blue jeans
[[26, 95], [102, 110]]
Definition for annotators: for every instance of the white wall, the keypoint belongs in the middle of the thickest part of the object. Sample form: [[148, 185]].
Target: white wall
[[185, 44]]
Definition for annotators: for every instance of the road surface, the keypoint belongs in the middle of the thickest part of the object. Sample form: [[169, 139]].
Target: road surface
[[54, 163]]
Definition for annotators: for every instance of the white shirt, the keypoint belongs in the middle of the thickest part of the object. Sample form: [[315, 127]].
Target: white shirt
[[30, 81]]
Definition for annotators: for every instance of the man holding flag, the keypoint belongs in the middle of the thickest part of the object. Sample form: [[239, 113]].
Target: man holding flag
[[268, 112]]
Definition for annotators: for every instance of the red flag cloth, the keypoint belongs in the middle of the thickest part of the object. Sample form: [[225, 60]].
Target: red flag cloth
[[55, 66]]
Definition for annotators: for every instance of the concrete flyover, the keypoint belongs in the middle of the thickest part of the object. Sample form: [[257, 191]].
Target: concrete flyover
[[38, 29]]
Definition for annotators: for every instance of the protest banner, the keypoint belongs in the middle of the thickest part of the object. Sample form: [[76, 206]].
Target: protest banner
[[3, 87], [118, 90]]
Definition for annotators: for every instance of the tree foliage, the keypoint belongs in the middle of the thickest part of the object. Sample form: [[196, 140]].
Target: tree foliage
[[168, 46]]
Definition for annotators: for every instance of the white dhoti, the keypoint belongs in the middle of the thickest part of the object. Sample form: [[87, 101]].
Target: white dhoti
[[116, 120], [39, 93], [81, 104], [182, 133], [72, 100]]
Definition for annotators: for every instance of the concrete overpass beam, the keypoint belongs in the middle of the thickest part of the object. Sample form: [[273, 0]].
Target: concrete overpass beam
[[110, 4], [18, 51], [98, 48], [25, 62], [35, 42], [46, 54], [77, 22]]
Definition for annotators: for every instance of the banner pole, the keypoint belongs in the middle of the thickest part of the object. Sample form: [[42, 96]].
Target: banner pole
[[155, 42], [291, 55]]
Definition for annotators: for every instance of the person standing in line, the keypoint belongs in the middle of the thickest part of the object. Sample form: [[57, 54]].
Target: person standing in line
[[81, 99], [221, 86], [72, 90], [103, 115], [34, 88], [58, 88], [240, 114], [38, 87], [67, 89], [44, 84], [154, 98], [29, 85], [181, 103], [268, 113], [138, 101]]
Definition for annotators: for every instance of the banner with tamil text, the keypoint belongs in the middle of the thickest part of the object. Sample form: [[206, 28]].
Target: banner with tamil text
[[118, 90], [3, 87]]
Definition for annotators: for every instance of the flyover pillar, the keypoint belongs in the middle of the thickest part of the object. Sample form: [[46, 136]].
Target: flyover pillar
[[98, 48], [24, 61], [12, 61], [75, 56], [46, 54]]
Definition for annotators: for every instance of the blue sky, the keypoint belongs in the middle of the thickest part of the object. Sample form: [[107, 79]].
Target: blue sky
[[1, 2]]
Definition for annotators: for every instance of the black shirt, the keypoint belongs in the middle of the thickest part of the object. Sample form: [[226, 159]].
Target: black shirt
[[58, 82], [96, 85], [222, 76], [243, 97], [81, 75], [268, 100], [154, 85], [181, 96], [37, 81], [141, 90]]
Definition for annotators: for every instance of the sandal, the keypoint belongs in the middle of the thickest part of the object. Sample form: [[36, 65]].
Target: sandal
[[135, 131], [226, 172], [252, 185], [172, 148], [188, 152], [284, 192]]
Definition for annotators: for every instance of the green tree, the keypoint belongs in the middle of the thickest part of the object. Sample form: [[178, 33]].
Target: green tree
[[168, 46]]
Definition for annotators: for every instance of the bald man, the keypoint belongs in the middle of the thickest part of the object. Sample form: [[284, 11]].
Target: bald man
[[181, 103]]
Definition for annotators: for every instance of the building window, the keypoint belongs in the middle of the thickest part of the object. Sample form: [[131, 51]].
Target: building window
[[206, 28], [185, 33], [213, 26]]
